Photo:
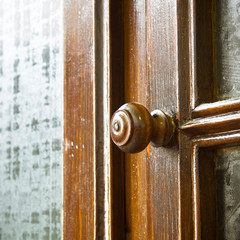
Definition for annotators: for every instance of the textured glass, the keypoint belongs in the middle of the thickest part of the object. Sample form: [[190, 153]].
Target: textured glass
[[227, 50], [228, 192], [31, 113]]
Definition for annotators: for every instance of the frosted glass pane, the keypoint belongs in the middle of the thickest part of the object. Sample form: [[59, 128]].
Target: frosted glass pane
[[227, 50], [228, 192], [31, 115]]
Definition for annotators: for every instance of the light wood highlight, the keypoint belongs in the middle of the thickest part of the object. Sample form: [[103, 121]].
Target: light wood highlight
[[220, 123], [210, 109], [79, 156], [93, 167]]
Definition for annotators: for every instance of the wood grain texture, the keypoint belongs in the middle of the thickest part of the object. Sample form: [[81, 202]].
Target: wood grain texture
[[136, 179], [218, 139], [79, 163], [187, 92], [151, 181], [161, 56], [214, 124], [221, 107], [93, 168], [204, 51], [218, 122]]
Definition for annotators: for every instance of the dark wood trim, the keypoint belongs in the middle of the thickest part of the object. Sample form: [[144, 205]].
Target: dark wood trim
[[215, 124], [205, 78], [186, 99], [187, 216], [218, 139], [205, 188], [221, 107], [117, 99]]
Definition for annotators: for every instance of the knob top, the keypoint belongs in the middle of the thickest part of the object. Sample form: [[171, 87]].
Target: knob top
[[131, 127], [122, 127]]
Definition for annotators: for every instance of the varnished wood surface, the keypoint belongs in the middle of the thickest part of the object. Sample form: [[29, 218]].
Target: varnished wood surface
[[136, 179], [79, 158], [151, 180], [196, 85], [221, 107], [161, 56], [207, 125], [93, 182], [218, 139], [204, 51], [186, 100]]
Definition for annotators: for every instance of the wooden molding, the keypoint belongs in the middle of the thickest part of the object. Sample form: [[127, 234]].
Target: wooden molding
[[214, 124], [218, 139], [221, 107]]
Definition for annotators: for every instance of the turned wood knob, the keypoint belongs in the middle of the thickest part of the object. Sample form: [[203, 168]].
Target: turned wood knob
[[133, 127]]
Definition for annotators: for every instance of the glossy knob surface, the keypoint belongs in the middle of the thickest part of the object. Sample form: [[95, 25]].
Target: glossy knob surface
[[133, 127]]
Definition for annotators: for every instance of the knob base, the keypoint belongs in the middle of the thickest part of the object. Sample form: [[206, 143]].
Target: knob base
[[163, 128]]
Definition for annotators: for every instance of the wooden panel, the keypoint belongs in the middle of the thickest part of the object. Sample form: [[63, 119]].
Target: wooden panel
[[218, 40], [79, 162], [218, 122], [150, 78], [93, 168]]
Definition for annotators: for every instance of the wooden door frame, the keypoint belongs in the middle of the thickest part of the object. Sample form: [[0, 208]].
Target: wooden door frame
[[94, 88], [202, 125], [93, 183]]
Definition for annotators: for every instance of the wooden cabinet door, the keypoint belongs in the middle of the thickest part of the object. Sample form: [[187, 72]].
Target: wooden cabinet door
[[177, 56]]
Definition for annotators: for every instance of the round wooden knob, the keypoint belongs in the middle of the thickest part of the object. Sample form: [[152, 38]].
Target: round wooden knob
[[133, 127]]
